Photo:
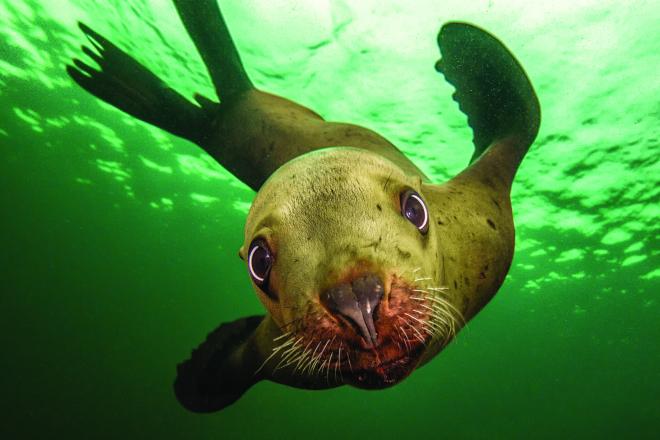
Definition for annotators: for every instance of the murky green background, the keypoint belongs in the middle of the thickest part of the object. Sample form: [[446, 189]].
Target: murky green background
[[119, 242]]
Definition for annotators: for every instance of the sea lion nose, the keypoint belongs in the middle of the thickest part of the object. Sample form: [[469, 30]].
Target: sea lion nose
[[356, 303]]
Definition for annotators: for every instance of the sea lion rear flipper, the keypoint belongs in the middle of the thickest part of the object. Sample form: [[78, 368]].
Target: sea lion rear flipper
[[493, 90], [209, 381], [208, 30], [131, 87]]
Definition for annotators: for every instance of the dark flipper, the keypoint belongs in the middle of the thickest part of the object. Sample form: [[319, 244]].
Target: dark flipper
[[207, 381], [492, 89], [129, 86], [208, 30]]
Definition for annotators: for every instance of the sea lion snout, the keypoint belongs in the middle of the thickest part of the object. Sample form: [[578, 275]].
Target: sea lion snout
[[356, 304]]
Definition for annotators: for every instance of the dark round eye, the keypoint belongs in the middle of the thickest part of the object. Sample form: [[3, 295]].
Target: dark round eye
[[260, 260], [414, 209]]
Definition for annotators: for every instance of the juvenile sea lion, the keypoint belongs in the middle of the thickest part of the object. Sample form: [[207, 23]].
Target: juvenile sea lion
[[366, 268]]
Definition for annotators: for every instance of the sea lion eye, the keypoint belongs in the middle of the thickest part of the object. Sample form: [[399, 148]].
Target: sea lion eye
[[260, 260], [414, 209]]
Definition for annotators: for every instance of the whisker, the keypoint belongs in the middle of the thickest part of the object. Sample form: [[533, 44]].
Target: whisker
[[327, 374], [291, 351], [303, 356], [313, 357], [428, 326], [275, 351], [321, 367], [284, 344], [320, 355], [282, 336], [446, 321], [327, 371], [443, 317], [398, 330], [448, 305], [414, 317], [405, 335], [294, 359], [418, 334], [419, 338], [348, 358], [435, 326]]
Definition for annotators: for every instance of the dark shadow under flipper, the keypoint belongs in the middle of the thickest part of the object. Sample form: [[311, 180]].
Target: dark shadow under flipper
[[131, 87], [205, 382], [492, 88]]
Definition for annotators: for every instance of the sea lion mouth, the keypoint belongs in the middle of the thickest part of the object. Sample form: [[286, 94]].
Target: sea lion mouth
[[409, 320], [387, 373]]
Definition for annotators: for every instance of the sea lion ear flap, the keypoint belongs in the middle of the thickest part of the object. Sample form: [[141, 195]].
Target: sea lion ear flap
[[494, 92]]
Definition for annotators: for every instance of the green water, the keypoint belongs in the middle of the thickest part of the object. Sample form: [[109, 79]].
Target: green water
[[119, 242]]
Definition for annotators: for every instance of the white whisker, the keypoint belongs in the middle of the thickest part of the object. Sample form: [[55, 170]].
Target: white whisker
[[275, 351], [420, 338], [282, 336], [398, 329], [303, 356], [327, 372], [318, 359], [414, 317], [290, 352], [315, 359], [348, 358]]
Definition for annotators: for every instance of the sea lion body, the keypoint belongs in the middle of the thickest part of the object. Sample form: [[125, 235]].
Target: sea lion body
[[274, 130], [365, 267]]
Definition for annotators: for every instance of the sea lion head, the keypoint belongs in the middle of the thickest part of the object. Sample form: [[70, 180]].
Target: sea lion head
[[340, 251]]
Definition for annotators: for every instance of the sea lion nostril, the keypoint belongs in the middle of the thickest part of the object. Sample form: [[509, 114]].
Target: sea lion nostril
[[339, 297], [369, 290], [356, 304]]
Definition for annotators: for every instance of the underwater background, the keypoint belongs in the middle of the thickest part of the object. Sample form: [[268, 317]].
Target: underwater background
[[119, 242]]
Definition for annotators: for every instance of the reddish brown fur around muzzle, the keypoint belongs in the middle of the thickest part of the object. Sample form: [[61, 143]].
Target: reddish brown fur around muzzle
[[376, 337]]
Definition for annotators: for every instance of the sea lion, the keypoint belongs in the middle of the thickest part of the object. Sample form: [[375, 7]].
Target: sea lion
[[366, 268]]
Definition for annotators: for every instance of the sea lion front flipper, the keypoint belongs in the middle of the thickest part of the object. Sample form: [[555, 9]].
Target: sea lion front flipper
[[493, 90], [214, 376], [131, 87]]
